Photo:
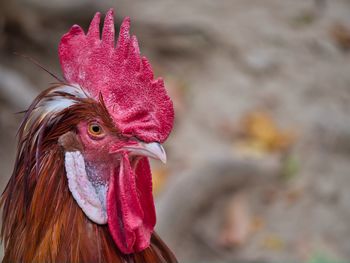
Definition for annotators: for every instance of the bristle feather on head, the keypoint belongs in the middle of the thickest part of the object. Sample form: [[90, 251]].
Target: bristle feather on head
[[138, 104]]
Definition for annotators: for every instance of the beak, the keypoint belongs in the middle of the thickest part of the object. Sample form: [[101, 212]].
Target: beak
[[154, 150]]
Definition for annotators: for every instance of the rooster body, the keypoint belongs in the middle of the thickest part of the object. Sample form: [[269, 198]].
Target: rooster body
[[81, 189]]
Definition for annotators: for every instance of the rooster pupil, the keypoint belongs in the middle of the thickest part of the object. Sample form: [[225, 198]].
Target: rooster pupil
[[95, 129]]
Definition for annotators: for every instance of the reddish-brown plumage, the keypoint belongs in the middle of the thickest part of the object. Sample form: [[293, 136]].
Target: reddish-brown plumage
[[41, 220]]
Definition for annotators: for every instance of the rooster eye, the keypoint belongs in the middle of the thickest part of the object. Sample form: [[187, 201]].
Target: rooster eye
[[95, 130]]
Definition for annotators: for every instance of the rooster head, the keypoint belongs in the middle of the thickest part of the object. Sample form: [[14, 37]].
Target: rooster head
[[106, 154]]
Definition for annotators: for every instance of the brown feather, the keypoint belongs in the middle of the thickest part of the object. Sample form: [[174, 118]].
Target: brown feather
[[41, 220]]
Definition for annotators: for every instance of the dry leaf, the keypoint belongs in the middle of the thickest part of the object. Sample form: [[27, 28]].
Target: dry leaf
[[273, 242], [159, 177], [257, 224], [341, 35], [294, 195], [237, 223], [270, 195], [260, 133]]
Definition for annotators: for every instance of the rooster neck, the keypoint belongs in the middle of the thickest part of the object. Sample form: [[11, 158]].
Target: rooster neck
[[43, 223], [52, 227]]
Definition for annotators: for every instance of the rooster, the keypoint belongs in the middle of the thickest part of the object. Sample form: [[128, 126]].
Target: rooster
[[81, 189]]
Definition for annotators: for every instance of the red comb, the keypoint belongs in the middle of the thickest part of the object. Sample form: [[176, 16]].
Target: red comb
[[138, 104]]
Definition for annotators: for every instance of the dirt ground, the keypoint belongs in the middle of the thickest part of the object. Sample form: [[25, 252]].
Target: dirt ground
[[258, 163]]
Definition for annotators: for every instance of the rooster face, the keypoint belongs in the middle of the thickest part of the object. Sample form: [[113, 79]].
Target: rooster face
[[109, 177], [106, 157], [104, 145]]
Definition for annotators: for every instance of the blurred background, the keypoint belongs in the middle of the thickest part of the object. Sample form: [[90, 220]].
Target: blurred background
[[258, 162]]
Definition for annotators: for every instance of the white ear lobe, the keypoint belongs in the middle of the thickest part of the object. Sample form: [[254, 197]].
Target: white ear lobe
[[82, 189]]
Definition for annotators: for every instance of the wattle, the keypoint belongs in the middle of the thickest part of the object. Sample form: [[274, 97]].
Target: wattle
[[130, 206]]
